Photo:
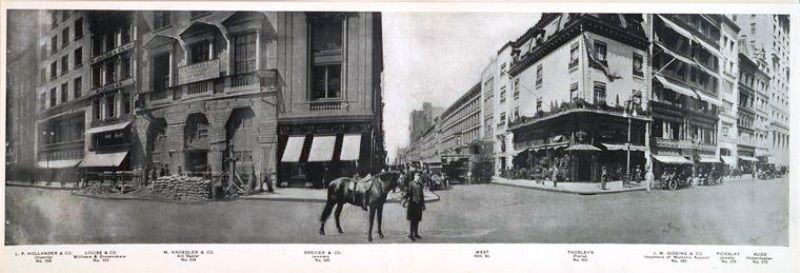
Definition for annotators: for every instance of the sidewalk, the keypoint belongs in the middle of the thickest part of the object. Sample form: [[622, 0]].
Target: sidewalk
[[584, 188], [318, 195]]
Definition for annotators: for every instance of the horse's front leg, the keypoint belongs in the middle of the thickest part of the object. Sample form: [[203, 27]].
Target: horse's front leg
[[371, 220], [337, 213], [380, 221]]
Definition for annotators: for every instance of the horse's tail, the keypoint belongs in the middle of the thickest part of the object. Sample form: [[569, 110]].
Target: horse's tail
[[333, 198]]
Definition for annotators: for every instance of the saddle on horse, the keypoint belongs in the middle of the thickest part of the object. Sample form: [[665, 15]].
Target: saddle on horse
[[358, 189]]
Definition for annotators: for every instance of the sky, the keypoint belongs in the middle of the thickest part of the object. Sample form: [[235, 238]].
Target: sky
[[436, 57]]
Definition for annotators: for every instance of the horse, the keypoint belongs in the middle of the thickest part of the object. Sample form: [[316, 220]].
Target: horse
[[376, 190]]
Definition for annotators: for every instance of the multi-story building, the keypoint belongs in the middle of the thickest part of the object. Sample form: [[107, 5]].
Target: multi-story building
[[21, 82], [728, 135], [113, 82], [429, 143], [423, 119], [753, 85], [462, 133], [63, 108], [768, 38], [330, 108], [580, 79], [495, 85], [461, 124], [209, 87], [686, 82]]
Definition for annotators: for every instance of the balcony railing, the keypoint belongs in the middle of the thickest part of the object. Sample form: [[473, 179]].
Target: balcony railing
[[244, 80], [325, 105], [199, 87]]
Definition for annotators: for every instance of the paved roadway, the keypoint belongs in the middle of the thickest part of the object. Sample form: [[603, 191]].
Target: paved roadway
[[740, 213]]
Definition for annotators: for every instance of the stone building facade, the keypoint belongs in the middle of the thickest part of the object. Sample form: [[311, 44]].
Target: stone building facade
[[209, 89], [330, 110]]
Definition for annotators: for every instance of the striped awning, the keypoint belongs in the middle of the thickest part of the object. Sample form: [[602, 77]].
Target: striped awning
[[322, 149], [96, 160], [351, 148], [293, 149]]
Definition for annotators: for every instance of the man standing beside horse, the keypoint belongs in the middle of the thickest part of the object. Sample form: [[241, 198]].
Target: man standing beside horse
[[415, 206]]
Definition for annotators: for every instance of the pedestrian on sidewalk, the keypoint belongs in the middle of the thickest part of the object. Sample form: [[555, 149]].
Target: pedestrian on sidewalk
[[554, 176], [415, 206], [603, 177]]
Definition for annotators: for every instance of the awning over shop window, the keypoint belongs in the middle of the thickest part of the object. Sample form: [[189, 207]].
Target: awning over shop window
[[322, 149], [709, 159], [675, 27], [106, 128], [683, 90], [623, 147], [582, 147], [712, 100], [294, 146], [351, 148], [94, 160], [748, 158], [672, 159], [58, 164], [729, 159]]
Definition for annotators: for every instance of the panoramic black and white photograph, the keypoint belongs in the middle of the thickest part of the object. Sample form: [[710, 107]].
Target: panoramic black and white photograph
[[388, 127]]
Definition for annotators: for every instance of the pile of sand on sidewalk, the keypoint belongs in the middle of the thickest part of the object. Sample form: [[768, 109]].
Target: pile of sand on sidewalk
[[177, 187]]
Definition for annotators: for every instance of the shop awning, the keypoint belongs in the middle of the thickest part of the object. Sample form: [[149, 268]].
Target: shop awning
[[709, 159], [674, 54], [351, 148], [294, 146], [58, 164], [106, 128], [685, 33], [683, 90], [712, 100], [748, 158], [623, 147], [582, 147], [672, 159], [94, 160], [322, 149], [729, 159], [676, 28], [708, 47]]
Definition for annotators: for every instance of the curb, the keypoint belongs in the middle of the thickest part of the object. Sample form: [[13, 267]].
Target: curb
[[569, 191], [38, 187]]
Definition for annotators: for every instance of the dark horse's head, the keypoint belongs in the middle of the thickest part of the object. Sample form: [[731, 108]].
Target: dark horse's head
[[389, 179]]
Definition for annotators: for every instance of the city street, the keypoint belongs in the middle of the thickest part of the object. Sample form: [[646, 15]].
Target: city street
[[738, 213]]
